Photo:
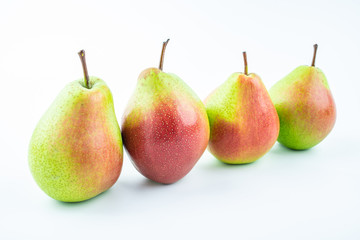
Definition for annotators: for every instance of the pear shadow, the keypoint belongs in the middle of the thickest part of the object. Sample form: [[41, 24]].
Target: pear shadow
[[217, 164], [82, 203], [281, 149], [150, 184]]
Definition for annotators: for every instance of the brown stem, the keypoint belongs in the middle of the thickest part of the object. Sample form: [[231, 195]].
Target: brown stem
[[245, 64], [83, 62], [162, 54], [314, 57]]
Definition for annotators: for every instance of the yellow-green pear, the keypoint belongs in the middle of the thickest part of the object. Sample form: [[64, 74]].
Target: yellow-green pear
[[75, 152], [305, 106]]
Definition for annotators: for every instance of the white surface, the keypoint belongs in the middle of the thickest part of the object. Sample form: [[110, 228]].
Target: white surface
[[285, 195]]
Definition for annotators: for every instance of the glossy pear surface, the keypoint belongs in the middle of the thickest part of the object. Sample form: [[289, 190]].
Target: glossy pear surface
[[243, 120], [165, 128], [75, 152], [305, 107]]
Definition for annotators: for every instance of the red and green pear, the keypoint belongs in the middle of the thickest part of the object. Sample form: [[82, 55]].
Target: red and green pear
[[305, 106], [165, 128], [243, 121], [75, 152]]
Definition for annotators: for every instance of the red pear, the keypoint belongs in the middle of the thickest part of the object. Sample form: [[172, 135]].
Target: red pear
[[243, 121], [165, 128]]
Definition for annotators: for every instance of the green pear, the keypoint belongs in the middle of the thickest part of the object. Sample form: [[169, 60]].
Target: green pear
[[165, 127], [243, 121], [305, 106], [75, 152]]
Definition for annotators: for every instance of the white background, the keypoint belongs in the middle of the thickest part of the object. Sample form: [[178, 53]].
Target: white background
[[286, 194]]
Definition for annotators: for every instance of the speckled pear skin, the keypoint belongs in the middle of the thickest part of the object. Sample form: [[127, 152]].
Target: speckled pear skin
[[305, 107], [243, 121], [165, 128], [75, 152]]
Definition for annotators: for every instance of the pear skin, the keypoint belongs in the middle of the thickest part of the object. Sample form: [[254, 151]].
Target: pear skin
[[165, 128], [305, 106], [75, 152], [243, 121]]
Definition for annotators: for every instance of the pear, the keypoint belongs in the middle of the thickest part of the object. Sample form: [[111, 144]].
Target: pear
[[305, 107], [243, 120], [75, 151], [165, 128]]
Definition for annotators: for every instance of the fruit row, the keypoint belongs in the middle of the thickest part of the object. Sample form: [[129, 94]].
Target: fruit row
[[76, 150]]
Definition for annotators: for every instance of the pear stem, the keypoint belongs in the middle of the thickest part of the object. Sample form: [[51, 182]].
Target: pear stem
[[314, 57], [83, 62], [245, 64], [162, 54]]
